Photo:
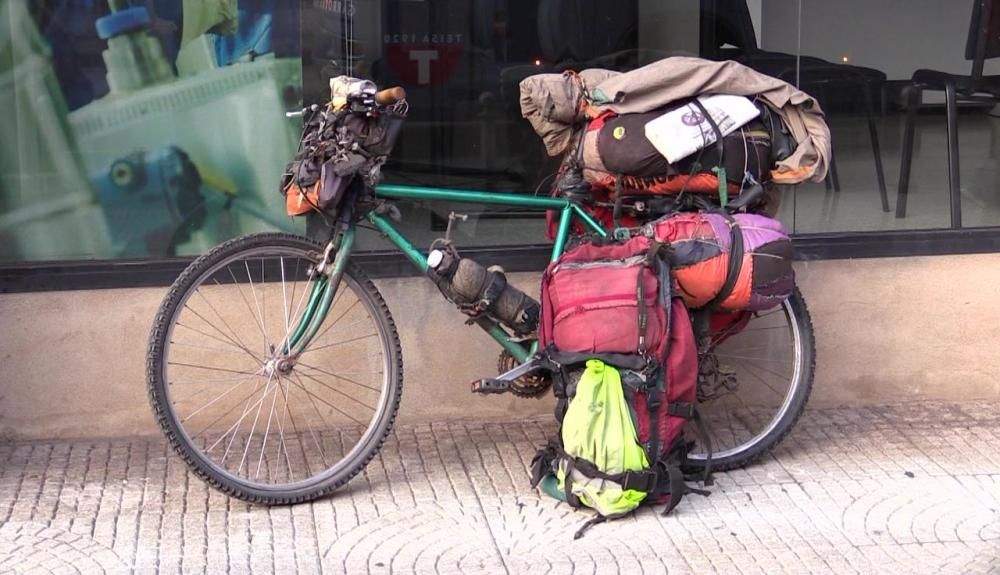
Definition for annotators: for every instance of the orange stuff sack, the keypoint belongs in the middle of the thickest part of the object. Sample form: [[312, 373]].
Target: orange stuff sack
[[299, 201], [701, 249]]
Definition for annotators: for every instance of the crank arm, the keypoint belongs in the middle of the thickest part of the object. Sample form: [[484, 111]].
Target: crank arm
[[502, 383]]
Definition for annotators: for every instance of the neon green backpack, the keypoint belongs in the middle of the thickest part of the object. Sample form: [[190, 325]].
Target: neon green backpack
[[597, 431], [598, 461]]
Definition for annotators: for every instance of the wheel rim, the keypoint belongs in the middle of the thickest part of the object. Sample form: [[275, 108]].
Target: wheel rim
[[737, 423], [297, 426]]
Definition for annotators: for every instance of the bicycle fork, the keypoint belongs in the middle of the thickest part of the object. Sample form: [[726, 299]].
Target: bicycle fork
[[329, 274]]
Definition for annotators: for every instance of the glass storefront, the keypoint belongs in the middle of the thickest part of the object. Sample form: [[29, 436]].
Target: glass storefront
[[156, 128]]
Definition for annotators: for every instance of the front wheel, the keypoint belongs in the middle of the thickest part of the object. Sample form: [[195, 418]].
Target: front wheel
[[251, 418], [754, 381]]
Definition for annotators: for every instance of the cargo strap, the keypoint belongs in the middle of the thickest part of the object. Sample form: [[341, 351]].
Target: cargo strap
[[640, 292], [636, 480], [736, 253], [719, 145], [620, 360]]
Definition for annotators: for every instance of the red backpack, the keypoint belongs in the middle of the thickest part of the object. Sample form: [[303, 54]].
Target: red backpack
[[616, 302], [591, 300]]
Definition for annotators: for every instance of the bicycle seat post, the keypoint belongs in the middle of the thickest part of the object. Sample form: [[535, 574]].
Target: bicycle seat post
[[452, 217]]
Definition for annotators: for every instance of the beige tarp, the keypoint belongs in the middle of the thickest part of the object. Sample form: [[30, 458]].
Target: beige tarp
[[551, 102]]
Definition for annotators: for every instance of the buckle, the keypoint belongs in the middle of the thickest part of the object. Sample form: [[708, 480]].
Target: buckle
[[653, 400], [640, 480], [683, 409]]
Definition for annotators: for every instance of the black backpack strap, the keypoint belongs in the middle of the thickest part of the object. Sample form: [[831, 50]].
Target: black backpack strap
[[640, 291], [677, 487], [675, 479], [655, 392], [541, 463], [719, 144], [590, 523], [638, 479], [571, 497], [706, 440], [736, 252], [619, 360], [685, 409]]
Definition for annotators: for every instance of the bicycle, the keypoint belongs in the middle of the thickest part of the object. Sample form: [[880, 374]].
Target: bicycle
[[296, 323]]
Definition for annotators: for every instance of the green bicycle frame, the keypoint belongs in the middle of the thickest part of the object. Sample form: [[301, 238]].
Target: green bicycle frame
[[324, 289]]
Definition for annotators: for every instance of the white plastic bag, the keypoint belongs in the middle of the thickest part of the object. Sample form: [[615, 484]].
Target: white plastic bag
[[682, 132]]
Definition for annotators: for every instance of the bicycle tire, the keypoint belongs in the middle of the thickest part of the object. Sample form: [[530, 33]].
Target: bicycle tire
[[203, 466], [791, 409]]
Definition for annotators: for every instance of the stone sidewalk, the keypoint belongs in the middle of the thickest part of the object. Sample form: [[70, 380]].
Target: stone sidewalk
[[912, 488]]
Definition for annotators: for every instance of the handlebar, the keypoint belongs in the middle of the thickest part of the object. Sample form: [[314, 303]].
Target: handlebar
[[302, 112], [386, 97], [390, 96]]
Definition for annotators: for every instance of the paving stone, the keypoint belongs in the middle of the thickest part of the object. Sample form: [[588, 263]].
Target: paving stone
[[909, 488]]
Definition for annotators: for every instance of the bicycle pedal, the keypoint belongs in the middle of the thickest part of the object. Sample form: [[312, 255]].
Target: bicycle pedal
[[490, 386]]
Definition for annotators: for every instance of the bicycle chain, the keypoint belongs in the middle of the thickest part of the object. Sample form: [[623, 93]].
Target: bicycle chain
[[526, 385]]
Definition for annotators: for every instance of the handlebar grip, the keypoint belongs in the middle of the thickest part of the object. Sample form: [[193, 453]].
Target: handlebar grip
[[390, 96]]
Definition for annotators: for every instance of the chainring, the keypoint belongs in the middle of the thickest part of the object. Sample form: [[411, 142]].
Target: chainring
[[527, 385]]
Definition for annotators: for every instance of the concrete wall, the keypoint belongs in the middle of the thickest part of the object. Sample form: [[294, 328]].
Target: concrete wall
[[71, 363]]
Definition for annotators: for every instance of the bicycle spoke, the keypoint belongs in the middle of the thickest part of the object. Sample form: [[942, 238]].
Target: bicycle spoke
[[359, 384], [753, 358], [201, 381], [281, 428], [356, 301], [378, 372], [224, 322], [312, 432], [313, 395], [238, 344], [753, 348], [302, 299], [239, 422], [284, 299], [208, 348], [263, 301], [767, 385], [770, 328], [255, 419], [223, 394], [253, 292], [780, 376], [325, 346], [244, 298], [211, 368], [778, 309], [337, 391], [294, 319], [210, 336], [227, 412], [246, 407], [267, 429]]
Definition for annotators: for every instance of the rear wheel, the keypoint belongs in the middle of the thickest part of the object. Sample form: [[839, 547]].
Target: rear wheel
[[754, 383], [250, 418]]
